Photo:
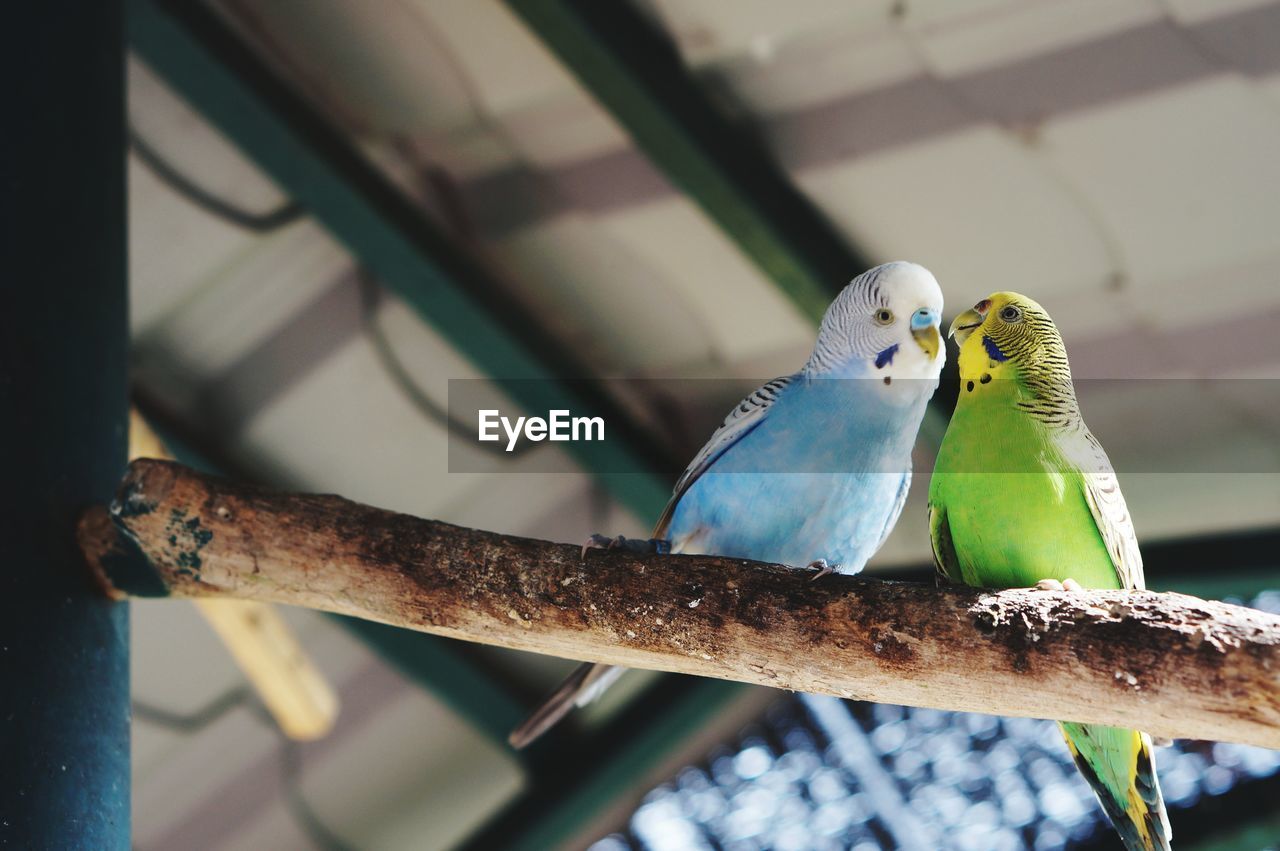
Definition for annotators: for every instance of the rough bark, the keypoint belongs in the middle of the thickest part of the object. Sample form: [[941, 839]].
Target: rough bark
[[1173, 665]]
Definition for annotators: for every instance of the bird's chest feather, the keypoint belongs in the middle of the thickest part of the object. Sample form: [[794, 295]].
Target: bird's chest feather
[[1015, 505], [818, 479], [788, 518]]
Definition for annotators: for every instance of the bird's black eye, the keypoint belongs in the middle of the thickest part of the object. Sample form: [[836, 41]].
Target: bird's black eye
[[1009, 313], [884, 316]]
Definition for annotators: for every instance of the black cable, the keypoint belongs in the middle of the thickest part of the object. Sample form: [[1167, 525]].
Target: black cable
[[316, 830], [290, 212], [320, 835], [196, 721], [395, 370], [171, 176]]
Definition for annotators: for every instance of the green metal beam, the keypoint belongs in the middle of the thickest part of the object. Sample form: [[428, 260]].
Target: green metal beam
[[64, 648], [200, 57], [436, 664], [565, 793], [637, 74], [631, 66], [1250, 836]]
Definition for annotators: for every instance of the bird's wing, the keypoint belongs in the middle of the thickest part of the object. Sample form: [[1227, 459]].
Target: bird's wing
[[1111, 514], [748, 414], [946, 566]]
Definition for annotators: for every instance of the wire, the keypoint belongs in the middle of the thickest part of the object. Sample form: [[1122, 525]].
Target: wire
[[287, 213], [196, 721], [370, 294], [300, 809], [320, 834]]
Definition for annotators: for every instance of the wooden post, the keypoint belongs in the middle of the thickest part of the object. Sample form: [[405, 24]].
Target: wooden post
[[1174, 665], [64, 651]]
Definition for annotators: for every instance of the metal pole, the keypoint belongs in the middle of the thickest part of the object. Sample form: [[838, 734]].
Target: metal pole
[[64, 664]]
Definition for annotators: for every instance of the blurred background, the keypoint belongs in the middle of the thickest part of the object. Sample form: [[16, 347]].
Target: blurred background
[[337, 206]]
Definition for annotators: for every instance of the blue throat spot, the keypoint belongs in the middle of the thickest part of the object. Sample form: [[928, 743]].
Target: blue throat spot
[[993, 351], [886, 357]]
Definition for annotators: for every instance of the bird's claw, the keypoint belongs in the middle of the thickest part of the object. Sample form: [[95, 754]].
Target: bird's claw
[[820, 565], [655, 546], [1055, 585], [598, 542]]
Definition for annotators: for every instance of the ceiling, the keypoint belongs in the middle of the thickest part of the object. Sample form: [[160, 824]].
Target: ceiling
[[1114, 160]]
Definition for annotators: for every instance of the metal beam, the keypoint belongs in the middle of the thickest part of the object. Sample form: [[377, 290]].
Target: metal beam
[[64, 649], [195, 51], [445, 669], [574, 780], [637, 74], [1259, 828], [623, 57], [1244, 563]]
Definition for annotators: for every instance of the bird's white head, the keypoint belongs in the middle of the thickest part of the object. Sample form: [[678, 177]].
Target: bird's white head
[[883, 324]]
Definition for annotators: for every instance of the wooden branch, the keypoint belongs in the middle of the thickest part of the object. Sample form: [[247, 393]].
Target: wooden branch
[[1173, 665]]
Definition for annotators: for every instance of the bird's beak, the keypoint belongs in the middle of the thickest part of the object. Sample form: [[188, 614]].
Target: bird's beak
[[924, 328], [964, 324], [928, 339]]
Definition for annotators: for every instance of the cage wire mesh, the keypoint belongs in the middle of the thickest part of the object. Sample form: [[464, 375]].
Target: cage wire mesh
[[821, 773]]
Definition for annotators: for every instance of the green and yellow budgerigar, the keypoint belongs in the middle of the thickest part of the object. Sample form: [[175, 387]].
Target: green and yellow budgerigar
[[1023, 495]]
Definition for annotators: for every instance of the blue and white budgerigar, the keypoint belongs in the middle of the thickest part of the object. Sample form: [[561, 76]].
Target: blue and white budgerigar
[[811, 469]]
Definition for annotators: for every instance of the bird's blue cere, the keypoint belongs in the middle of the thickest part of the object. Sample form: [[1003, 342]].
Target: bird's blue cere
[[923, 318]]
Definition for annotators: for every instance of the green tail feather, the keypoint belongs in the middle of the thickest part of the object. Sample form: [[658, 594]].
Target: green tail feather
[[1118, 765]]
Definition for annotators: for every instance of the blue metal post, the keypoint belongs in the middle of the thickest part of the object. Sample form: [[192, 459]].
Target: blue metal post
[[64, 664]]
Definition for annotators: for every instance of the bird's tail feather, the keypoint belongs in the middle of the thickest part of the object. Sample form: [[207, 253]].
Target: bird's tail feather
[[1119, 767], [587, 682]]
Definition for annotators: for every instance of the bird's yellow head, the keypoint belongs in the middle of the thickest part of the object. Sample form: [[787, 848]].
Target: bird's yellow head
[[1005, 335]]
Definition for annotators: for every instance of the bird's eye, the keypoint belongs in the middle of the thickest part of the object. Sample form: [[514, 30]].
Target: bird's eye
[[884, 316], [1009, 313]]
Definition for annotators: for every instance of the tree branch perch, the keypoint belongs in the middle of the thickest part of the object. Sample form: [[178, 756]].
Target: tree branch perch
[[1173, 665]]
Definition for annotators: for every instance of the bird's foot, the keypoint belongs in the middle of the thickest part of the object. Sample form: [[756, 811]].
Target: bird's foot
[[651, 546], [1055, 585], [822, 567]]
